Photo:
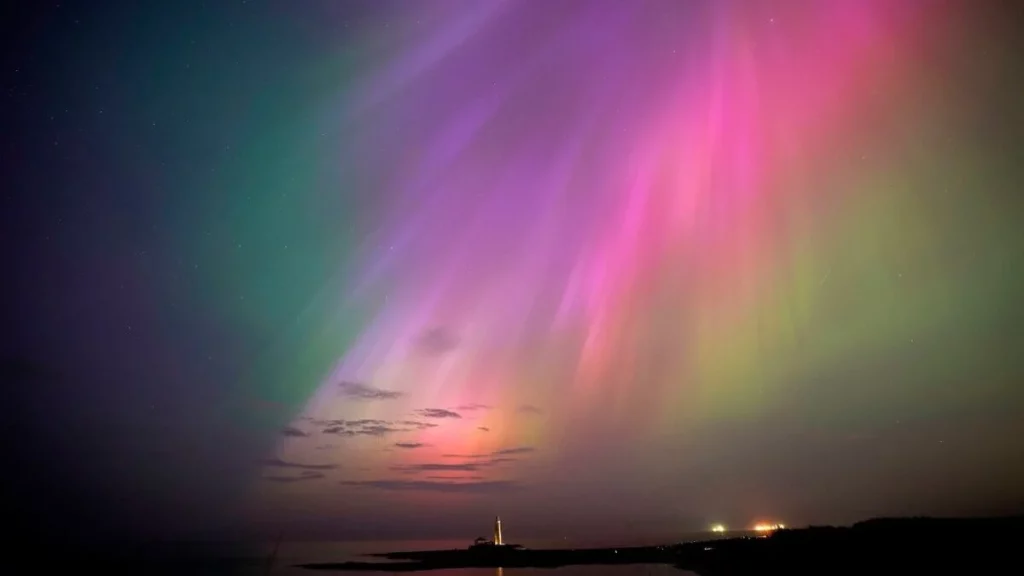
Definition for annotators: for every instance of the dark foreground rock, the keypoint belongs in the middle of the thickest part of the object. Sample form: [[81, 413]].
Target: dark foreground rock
[[883, 546]]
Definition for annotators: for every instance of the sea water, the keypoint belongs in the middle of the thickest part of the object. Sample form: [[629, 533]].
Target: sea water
[[263, 560]]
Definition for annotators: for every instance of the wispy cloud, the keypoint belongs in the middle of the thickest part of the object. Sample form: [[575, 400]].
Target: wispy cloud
[[470, 487], [517, 450], [322, 422], [417, 425], [378, 430], [529, 409], [473, 466], [358, 391], [293, 432], [502, 452], [465, 467], [370, 427], [366, 422], [307, 475], [409, 445], [350, 430], [279, 463], [472, 407], [438, 413], [483, 428]]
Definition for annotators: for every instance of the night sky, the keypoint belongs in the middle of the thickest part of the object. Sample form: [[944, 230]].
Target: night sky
[[385, 269]]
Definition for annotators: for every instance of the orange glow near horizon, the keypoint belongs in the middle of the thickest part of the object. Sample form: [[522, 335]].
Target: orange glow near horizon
[[764, 527]]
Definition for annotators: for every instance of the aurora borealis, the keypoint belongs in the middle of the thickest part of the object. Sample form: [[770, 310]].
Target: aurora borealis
[[363, 268]]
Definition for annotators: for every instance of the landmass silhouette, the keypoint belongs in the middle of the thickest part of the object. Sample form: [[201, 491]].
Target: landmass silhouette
[[879, 546]]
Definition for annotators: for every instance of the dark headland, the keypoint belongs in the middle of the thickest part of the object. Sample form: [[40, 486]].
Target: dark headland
[[880, 546]]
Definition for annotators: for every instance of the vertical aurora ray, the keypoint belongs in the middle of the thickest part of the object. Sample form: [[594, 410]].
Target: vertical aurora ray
[[642, 219]]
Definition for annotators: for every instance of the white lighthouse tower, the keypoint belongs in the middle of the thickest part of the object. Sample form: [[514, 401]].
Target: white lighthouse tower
[[497, 531]]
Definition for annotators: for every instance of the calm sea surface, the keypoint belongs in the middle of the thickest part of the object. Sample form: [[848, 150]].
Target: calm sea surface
[[252, 560]]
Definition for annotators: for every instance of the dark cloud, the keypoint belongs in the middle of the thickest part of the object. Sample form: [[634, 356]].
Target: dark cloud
[[473, 407], [307, 475], [374, 427], [326, 447], [437, 341], [529, 409], [474, 466], [278, 463], [454, 477], [363, 427], [470, 487], [503, 452], [418, 425], [464, 467], [293, 432], [376, 430], [483, 428], [357, 391], [409, 445], [518, 450], [438, 413], [328, 422]]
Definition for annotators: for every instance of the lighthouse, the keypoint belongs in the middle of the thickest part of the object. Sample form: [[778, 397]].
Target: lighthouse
[[497, 531]]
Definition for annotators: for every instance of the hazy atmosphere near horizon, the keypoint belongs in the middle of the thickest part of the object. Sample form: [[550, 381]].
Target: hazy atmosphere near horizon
[[382, 269]]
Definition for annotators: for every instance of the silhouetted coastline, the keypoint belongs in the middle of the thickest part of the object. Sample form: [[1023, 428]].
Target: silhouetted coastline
[[879, 546]]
